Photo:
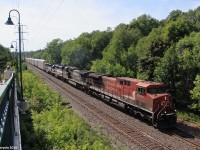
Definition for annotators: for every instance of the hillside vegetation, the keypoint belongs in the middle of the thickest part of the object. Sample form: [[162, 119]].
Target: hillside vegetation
[[50, 125], [156, 50], [5, 56]]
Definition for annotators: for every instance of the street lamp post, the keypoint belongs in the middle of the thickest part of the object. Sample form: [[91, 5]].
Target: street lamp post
[[16, 57], [9, 22]]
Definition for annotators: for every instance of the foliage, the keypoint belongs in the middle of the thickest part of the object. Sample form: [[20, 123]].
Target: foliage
[[64, 130], [167, 69], [196, 94], [39, 54], [53, 51], [5, 56], [188, 116], [145, 24], [175, 30], [115, 55], [148, 49], [49, 125], [193, 16], [174, 15], [86, 48], [189, 65]]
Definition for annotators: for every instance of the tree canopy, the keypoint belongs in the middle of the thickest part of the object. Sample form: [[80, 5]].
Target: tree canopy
[[5, 56], [166, 51]]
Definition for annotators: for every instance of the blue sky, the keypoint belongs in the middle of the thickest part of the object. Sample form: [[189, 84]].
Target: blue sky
[[46, 20]]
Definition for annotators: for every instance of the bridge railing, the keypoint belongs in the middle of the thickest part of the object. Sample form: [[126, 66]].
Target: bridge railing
[[10, 137]]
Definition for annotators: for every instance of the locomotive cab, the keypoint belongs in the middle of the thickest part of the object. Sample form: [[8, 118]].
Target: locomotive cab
[[153, 97], [47, 67], [164, 113]]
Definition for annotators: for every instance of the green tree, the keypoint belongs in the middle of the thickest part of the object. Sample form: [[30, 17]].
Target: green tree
[[150, 50], [40, 54], [53, 51], [167, 70], [174, 15], [144, 23], [67, 50], [193, 16], [195, 94], [99, 42], [189, 64], [81, 51], [175, 30], [5, 56], [116, 54]]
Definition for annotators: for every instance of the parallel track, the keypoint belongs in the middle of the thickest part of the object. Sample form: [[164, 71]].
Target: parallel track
[[186, 137], [139, 138]]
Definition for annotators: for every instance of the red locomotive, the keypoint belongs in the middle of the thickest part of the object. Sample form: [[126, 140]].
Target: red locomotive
[[147, 99]]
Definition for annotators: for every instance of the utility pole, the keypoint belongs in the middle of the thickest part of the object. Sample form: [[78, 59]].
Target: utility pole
[[22, 39]]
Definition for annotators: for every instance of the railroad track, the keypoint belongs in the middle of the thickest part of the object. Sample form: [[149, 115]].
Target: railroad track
[[139, 138], [186, 137]]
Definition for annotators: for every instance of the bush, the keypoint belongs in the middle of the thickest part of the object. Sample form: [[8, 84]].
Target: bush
[[48, 125]]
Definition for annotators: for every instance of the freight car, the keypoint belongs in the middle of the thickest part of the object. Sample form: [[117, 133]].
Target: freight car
[[40, 63], [147, 99]]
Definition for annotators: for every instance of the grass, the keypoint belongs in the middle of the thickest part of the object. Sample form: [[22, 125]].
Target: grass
[[48, 125], [194, 118]]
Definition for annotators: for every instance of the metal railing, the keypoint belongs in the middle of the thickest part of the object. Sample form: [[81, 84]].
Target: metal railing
[[10, 137]]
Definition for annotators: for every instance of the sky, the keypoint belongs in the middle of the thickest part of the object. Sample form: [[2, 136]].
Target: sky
[[45, 20]]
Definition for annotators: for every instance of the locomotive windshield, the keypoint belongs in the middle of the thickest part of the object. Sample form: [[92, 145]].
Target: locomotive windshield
[[157, 90]]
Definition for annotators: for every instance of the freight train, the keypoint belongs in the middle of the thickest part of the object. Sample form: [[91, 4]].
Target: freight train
[[144, 98]]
